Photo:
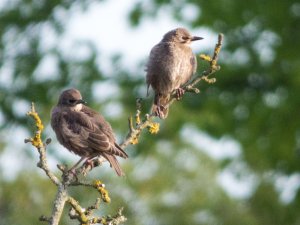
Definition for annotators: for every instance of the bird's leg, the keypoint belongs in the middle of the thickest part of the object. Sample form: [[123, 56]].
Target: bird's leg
[[89, 162], [158, 107], [179, 93], [72, 170], [159, 110]]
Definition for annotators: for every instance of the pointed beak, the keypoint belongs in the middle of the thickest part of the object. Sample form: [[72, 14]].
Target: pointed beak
[[195, 38], [81, 101]]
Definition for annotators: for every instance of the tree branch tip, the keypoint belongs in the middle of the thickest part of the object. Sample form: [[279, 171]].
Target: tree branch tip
[[138, 102], [101, 189], [91, 208], [62, 168], [220, 37], [209, 80], [137, 117], [148, 116], [130, 124], [32, 108], [27, 140], [189, 88]]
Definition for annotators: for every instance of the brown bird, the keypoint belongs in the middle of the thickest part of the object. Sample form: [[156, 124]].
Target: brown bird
[[171, 64], [84, 131]]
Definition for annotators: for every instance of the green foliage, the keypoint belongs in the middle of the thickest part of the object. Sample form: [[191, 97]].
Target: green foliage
[[255, 100]]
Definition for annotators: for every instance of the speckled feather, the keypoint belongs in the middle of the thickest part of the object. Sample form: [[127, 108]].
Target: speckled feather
[[84, 131], [171, 64]]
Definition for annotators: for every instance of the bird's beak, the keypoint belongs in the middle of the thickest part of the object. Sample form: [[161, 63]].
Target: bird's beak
[[81, 101], [195, 38]]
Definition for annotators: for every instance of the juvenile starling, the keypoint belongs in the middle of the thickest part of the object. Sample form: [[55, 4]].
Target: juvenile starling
[[84, 131], [171, 64]]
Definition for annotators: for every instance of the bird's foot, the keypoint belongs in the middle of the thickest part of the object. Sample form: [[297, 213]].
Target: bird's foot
[[159, 111], [89, 163], [179, 93]]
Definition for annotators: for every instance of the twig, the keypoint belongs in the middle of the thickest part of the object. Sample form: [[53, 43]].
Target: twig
[[36, 141]]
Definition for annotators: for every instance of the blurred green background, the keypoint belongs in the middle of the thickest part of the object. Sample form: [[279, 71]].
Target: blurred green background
[[229, 155]]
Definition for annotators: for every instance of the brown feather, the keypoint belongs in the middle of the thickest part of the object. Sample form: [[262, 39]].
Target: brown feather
[[171, 64], [84, 131]]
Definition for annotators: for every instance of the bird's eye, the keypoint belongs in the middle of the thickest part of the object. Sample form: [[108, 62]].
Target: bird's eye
[[185, 38], [72, 101]]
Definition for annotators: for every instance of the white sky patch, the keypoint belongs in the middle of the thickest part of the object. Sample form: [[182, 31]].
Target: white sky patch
[[223, 148], [237, 180], [171, 198], [105, 90], [13, 159], [287, 186], [20, 107], [190, 12], [112, 110], [186, 160], [47, 69], [145, 168], [6, 75], [106, 25]]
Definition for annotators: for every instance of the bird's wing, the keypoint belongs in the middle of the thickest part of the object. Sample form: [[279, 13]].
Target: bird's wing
[[74, 132], [160, 68], [101, 137]]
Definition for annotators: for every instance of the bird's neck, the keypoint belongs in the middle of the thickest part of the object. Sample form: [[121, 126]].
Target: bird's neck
[[77, 107]]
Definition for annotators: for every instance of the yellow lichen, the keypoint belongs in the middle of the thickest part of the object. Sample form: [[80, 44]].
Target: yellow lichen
[[205, 57], [36, 140], [134, 140], [210, 80], [103, 221], [101, 188], [153, 128], [137, 117]]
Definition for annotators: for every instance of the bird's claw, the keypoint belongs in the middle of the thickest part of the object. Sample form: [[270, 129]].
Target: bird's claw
[[159, 111], [179, 93]]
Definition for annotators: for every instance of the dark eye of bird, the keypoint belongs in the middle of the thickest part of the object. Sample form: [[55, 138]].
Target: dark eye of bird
[[185, 38], [72, 101]]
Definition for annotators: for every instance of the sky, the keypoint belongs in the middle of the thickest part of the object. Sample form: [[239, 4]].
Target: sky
[[115, 35]]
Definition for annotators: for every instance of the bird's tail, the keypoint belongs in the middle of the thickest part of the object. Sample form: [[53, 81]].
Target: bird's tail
[[160, 105], [114, 164]]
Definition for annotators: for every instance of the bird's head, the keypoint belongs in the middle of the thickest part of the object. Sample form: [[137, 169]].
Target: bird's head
[[71, 98], [180, 35]]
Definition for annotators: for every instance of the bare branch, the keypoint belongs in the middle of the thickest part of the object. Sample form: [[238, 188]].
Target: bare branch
[[36, 141]]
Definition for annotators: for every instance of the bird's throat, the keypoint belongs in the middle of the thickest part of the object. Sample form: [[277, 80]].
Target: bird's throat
[[78, 107]]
